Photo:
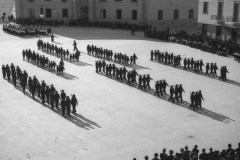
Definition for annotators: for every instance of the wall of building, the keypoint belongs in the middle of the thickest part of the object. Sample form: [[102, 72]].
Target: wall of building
[[74, 8], [125, 5], [168, 7], [210, 18], [147, 11]]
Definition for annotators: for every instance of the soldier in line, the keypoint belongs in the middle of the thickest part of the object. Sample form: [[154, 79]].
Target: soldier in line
[[196, 100], [68, 105], [74, 102], [4, 71], [171, 94], [223, 72]]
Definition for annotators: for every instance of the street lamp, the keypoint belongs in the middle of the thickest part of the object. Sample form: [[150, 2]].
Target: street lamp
[[41, 14]]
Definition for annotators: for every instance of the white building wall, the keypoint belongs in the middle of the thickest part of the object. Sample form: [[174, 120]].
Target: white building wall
[[210, 18], [73, 6], [148, 12], [125, 5], [168, 7]]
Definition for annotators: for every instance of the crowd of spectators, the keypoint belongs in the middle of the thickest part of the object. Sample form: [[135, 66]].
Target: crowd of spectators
[[196, 40], [23, 30], [194, 154]]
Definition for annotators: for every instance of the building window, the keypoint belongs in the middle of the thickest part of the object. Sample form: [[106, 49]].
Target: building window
[[48, 13], [103, 14], [220, 9], [134, 0], [205, 7], [119, 14], [65, 13], [235, 12], [176, 14], [134, 14], [31, 13], [160, 14], [190, 15], [84, 11]]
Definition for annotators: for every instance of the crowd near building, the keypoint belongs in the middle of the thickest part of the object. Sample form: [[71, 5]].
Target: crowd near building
[[216, 18]]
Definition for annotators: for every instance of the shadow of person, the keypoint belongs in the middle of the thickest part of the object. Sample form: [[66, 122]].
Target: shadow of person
[[185, 104], [63, 75], [73, 119], [87, 120]]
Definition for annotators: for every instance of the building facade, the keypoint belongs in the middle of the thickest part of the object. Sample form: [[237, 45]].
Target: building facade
[[173, 14], [162, 14], [53, 9], [220, 18]]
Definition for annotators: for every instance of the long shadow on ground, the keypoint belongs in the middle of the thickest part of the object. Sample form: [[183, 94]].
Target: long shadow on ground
[[123, 64], [77, 119], [64, 75], [201, 73], [185, 104]]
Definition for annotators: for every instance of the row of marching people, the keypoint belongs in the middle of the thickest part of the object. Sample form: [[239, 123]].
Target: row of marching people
[[108, 55], [42, 61], [189, 64], [46, 93], [130, 78], [58, 51]]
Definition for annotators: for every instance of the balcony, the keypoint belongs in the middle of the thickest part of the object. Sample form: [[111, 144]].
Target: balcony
[[225, 19]]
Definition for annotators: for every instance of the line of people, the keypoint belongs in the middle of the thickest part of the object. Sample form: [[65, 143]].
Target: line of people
[[189, 64], [58, 51], [166, 58], [119, 73], [106, 54], [42, 61], [46, 93], [130, 77], [194, 154]]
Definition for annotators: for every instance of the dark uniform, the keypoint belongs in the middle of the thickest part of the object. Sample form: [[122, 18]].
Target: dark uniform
[[74, 102], [68, 105]]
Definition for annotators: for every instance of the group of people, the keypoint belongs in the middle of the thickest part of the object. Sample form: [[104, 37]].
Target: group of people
[[47, 93], [194, 154], [175, 91], [196, 40], [108, 55], [120, 25], [23, 30], [120, 73], [166, 58], [196, 100], [130, 77], [189, 64], [58, 51], [42, 61]]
